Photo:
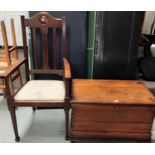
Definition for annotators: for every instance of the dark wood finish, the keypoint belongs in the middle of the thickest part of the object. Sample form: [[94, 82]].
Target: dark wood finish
[[55, 52], [111, 109], [68, 86], [11, 109], [44, 31], [47, 71], [25, 48], [34, 47], [42, 21]]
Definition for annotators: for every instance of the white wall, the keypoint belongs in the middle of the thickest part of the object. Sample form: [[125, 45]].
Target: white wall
[[6, 15], [148, 20]]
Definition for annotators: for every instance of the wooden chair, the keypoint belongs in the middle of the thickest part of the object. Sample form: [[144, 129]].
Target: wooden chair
[[9, 56], [42, 93]]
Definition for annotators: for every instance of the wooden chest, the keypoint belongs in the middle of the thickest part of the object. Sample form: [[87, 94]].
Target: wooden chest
[[111, 109]]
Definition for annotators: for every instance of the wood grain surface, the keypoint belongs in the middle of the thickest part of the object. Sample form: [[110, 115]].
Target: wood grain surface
[[111, 91], [111, 109]]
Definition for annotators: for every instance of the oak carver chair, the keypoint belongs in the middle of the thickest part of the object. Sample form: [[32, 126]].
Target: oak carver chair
[[9, 56], [42, 93]]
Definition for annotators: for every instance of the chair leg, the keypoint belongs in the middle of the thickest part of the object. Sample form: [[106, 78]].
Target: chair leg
[[4, 93], [34, 108], [14, 123], [11, 86], [3, 89], [20, 78], [72, 141], [67, 124]]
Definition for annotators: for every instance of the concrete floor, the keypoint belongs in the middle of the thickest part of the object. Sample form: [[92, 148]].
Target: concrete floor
[[46, 126]]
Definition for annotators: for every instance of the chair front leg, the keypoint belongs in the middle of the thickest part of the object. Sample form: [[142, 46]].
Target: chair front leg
[[67, 105], [14, 123], [66, 110], [11, 109]]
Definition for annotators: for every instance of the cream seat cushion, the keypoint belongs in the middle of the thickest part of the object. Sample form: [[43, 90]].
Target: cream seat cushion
[[42, 90]]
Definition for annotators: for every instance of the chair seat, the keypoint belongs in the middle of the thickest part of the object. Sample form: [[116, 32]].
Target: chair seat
[[42, 90]]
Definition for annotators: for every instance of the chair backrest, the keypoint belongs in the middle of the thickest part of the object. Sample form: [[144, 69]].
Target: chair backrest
[[6, 52], [48, 42]]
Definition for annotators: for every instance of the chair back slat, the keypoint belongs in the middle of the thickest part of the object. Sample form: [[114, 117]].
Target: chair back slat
[[44, 33], [45, 40], [55, 51], [34, 40]]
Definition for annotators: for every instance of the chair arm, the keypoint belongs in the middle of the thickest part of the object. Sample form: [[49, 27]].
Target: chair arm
[[12, 68], [68, 81], [67, 69]]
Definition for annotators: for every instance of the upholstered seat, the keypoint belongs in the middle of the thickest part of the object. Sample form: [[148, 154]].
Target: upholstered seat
[[42, 90]]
